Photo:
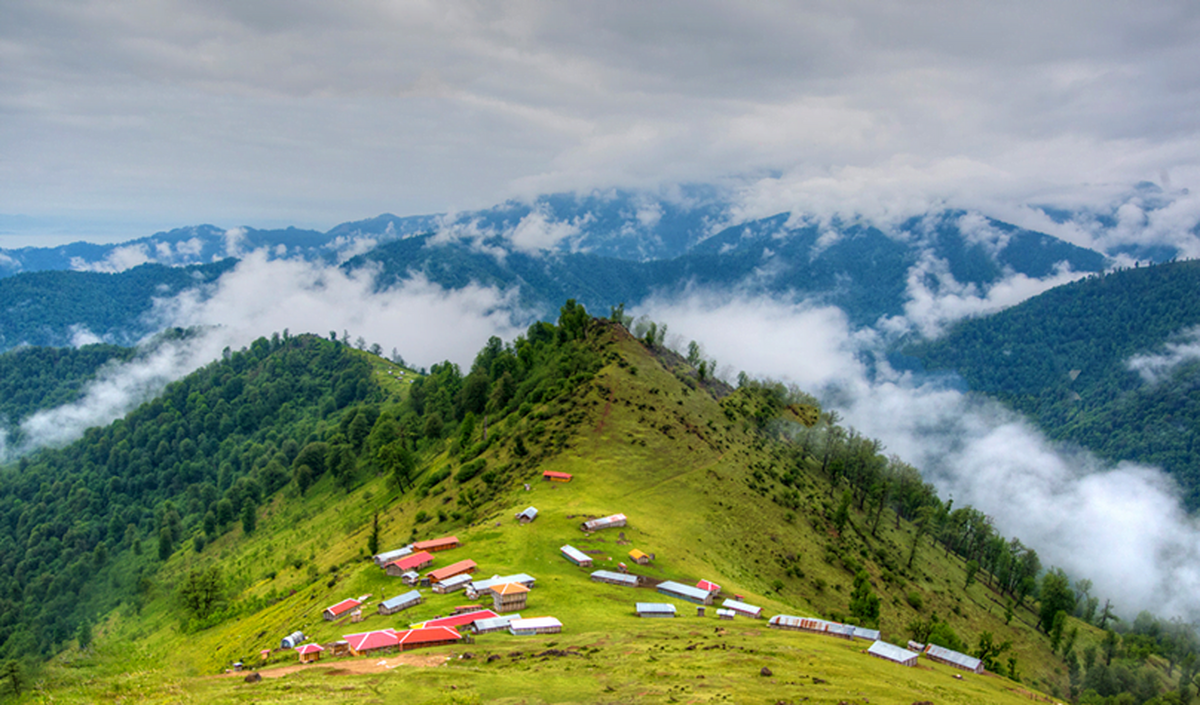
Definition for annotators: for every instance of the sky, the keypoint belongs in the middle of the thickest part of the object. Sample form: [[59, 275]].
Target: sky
[[122, 117]]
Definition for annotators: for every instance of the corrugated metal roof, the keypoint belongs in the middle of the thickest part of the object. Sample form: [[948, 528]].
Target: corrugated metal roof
[[741, 607], [365, 641], [603, 522], [637, 554], [534, 623], [726, 613], [837, 629], [680, 589], [481, 585], [616, 577], [575, 554], [709, 586], [500, 622], [427, 634], [436, 543], [864, 633], [891, 652], [968, 662], [455, 580], [459, 620], [389, 556], [451, 570], [309, 648], [529, 513], [655, 607], [343, 606], [402, 599], [413, 561]]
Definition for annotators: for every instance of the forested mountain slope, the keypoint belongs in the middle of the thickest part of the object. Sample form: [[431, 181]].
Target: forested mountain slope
[[54, 308], [1068, 358], [272, 477]]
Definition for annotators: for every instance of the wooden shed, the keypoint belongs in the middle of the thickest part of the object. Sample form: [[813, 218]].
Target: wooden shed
[[340, 609], [528, 515], [553, 476], [309, 653], [416, 561], [400, 602], [640, 557], [459, 568], [434, 545]]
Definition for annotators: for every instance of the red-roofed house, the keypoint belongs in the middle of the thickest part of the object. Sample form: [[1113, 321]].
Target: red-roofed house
[[467, 566], [709, 586], [429, 636], [415, 561], [460, 620], [309, 652], [372, 641], [443, 544], [553, 476], [342, 608]]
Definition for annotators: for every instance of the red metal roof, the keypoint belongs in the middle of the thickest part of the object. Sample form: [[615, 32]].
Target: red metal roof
[[343, 606], [309, 648], [452, 570], [708, 585], [367, 641], [413, 561], [428, 634], [559, 475], [435, 544], [460, 620]]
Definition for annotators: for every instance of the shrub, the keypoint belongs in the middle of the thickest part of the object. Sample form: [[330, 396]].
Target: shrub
[[915, 600]]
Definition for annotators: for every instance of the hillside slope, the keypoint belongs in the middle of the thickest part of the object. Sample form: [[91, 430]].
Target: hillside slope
[[720, 484], [1068, 358]]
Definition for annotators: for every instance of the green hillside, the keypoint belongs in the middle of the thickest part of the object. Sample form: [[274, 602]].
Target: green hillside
[[751, 488], [1063, 358]]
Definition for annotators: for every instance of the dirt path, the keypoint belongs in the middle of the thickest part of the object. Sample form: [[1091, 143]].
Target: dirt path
[[357, 666]]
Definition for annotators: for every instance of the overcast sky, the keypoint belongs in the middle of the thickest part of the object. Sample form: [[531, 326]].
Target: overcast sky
[[118, 117]]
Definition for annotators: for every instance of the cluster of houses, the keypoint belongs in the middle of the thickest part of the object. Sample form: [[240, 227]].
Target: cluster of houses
[[509, 595]]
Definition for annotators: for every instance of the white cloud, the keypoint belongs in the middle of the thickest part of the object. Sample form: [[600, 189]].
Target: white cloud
[[118, 259], [1155, 366], [538, 231]]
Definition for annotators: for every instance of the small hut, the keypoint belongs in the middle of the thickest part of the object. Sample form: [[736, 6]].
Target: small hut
[[453, 584], [400, 603], [640, 557], [341, 648], [493, 624], [528, 515], [709, 586], [727, 615], [340, 609], [655, 609], [552, 476], [576, 556], [509, 597], [309, 653], [434, 545]]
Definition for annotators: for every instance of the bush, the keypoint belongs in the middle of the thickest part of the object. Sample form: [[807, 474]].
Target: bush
[[470, 470], [915, 600], [421, 517]]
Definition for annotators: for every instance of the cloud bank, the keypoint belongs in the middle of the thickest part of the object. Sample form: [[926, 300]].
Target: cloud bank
[[1121, 526]]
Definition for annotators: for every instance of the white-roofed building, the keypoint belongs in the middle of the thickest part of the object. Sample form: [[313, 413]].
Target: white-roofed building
[[655, 609], [608, 576], [742, 608], [891, 652], [536, 625], [941, 654], [670, 588]]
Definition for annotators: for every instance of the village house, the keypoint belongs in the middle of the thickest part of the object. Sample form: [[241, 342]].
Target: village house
[[670, 588], [368, 642], [864, 634], [452, 584], [941, 654], [309, 653], [493, 624], [576, 556], [459, 568], [743, 608], [639, 557], [609, 522], [434, 545], [608, 576], [528, 515], [709, 586], [891, 652], [655, 609], [340, 609], [383, 559], [509, 597], [427, 637], [536, 625], [416, 561], [553, 476], [458, 620], [727, 615], [812, 626], [480, 587], [400, 603], [411, 577]]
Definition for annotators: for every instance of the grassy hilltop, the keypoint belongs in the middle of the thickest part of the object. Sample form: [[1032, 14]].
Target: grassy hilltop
[[710, 484]]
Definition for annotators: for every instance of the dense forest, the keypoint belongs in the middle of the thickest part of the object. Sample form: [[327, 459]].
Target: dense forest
[[1064, 358], [36, 378], [50, 308]]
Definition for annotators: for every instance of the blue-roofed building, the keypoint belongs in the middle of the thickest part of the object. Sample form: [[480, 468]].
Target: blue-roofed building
[[671, 588], [528, 515], [400, 602]]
